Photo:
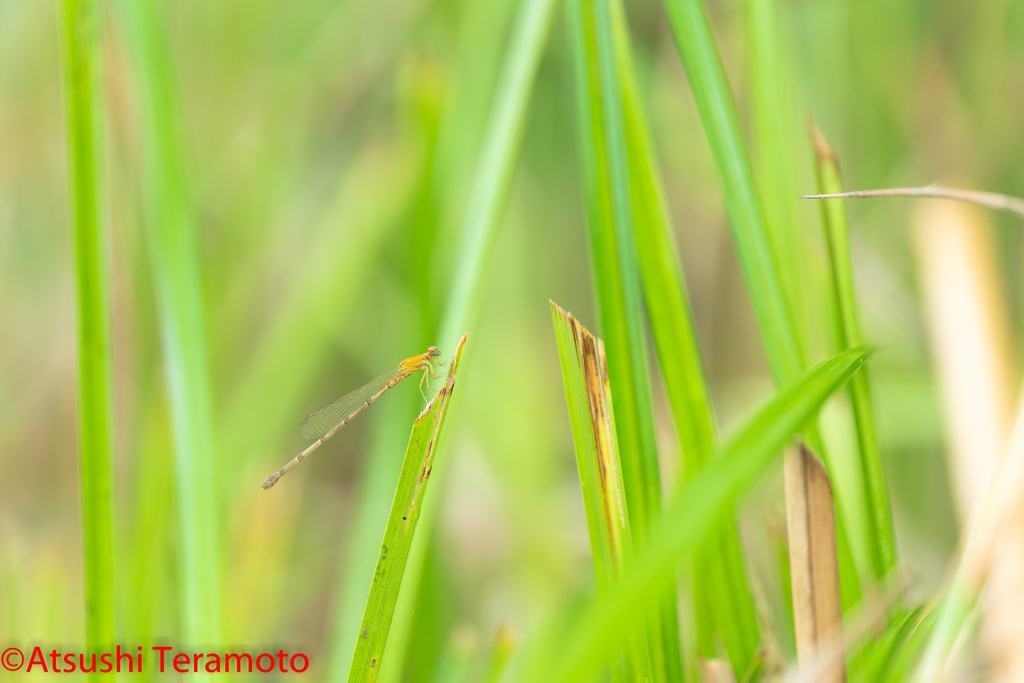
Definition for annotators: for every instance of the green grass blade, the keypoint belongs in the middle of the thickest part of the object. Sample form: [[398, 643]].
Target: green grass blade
[[881, 535], [609, 218], [699, 53], [721, 567], [384, 464], [178, 283], [83, 91], [589, 395], [776, 142], [908, 651], [889, 657], [401, 528], [490, 187], [692, 510], [497, 161], [751, 235], [604, 159], [665, 292]]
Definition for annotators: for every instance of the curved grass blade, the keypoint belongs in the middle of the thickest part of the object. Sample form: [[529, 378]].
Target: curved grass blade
[[82, 86], [405, 513], [686, 520], [890, 657]]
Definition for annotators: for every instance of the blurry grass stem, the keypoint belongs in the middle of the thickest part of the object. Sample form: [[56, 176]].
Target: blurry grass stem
[[971, 339], [405, 513], [494, 168], [778, 152], [174, 254], [972, 342], [82, 90], [498, 655], [995, 519]]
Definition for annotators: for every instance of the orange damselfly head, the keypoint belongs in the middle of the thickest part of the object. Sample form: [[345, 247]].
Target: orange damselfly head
[[433, 352]]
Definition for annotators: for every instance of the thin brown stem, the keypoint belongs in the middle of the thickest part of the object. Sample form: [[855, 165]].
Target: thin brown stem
[[991, 200]]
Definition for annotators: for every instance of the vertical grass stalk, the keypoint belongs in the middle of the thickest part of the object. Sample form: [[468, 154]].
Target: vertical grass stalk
[[497, 161], [489, 191], [82, 89], [720, 576], [778, 152], [609, 218], [605, 169], [696, 43], [882, 540], [754, 245], [178, 284]]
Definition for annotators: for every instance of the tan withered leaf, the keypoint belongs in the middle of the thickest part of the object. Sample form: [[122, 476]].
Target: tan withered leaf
[[814, 567]]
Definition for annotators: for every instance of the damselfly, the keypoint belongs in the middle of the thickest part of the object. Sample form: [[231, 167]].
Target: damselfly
[[323, 423]]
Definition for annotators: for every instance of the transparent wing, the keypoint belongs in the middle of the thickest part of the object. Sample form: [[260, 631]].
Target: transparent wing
[[322, 421]]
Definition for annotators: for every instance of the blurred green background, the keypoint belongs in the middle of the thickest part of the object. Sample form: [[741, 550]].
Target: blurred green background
[[330, 150]]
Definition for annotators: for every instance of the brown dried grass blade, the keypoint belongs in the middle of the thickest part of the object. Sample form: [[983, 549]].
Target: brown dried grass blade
[[814, 565]]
